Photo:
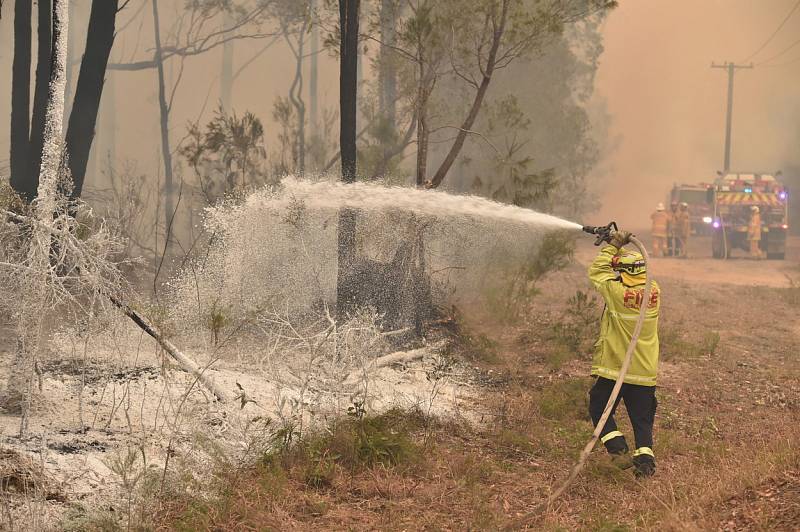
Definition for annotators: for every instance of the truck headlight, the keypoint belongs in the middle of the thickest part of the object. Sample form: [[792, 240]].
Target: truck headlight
[[707, 219]]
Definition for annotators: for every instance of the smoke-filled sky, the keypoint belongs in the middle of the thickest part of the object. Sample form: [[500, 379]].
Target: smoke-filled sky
[[667, 106]]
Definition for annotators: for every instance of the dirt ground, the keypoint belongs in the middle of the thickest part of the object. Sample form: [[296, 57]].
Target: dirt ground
[[726, 434], [513, 421], [738, 270]]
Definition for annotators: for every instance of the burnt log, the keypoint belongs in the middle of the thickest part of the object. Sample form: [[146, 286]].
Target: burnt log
[[398, 290]]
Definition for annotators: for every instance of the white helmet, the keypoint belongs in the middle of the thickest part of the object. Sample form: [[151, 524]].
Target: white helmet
[[660, 207], [754, 208]]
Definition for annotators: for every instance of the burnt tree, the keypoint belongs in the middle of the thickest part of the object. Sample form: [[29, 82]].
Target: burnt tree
[[20, 95], [41, 94], [89, 90], [348, 99]]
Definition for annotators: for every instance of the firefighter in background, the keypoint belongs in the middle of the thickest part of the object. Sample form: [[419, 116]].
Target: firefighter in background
[[683, 228], [619, 275], [754, 232], [672, 237], [660, 226]]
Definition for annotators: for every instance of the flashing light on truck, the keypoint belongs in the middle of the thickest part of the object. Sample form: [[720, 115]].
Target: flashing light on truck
[[731, 199]]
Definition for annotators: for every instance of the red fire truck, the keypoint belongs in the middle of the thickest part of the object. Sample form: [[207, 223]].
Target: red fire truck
[[700, 210], [732, 197]]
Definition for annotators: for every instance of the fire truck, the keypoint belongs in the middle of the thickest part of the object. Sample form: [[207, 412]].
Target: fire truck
[[700, 210], [731, 198]]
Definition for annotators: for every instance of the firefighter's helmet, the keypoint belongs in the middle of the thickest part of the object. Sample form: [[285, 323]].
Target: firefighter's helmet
[[631, 267], [660, 207]]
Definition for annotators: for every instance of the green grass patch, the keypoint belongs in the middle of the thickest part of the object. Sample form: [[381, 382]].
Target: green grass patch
[[678, 344], [565, 400]]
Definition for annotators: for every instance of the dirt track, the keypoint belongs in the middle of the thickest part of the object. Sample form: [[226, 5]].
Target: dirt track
[[700, 267]]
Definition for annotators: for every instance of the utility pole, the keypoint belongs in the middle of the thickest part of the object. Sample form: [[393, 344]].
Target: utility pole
[[731, 68]]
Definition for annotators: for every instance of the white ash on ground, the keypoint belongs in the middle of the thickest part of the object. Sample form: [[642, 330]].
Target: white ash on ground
[[114, 394]]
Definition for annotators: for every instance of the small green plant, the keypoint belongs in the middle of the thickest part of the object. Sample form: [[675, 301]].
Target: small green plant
[[321, 469], [519, 287], [217, 321], [676, 346], [565, 400], [792, 294], [710, 343], [576, 329]]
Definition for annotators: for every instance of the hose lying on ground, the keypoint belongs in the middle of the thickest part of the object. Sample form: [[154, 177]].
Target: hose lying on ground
[[576, 469]]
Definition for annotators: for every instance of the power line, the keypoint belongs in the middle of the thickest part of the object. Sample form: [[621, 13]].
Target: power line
[[785, 63], [774, 33], [795, 43]]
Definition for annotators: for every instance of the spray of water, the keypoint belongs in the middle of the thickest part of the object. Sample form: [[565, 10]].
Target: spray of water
[[372, 197], [279, 246]]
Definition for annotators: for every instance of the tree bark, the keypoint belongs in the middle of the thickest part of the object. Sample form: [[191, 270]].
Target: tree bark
[[89, 91], [70, 67], [21, 388], [40, 96], [348, 100], [296, 97], [313, 83], [348, 87], [423, 92], [20, 96], [166, 154], [388, 72]]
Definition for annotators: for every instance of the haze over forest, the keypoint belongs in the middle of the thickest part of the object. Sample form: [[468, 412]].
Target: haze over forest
[[657, 110]]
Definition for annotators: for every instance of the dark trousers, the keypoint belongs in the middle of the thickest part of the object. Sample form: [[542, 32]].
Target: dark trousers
[[640, 401]]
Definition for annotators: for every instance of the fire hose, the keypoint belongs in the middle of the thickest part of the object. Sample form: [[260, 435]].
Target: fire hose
[[604, 234]]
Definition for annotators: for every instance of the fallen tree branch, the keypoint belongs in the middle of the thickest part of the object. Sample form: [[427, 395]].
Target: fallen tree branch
[[397, 357], [185, 362]]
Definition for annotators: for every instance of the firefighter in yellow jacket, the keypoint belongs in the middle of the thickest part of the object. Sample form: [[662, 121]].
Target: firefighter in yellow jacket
[[754, 232], [660, 229], [619, 275]]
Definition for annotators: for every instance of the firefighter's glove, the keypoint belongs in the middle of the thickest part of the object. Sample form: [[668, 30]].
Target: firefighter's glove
[[620, 238]]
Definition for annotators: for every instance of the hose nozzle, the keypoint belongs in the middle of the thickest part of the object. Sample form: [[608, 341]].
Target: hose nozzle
[[603, 232]]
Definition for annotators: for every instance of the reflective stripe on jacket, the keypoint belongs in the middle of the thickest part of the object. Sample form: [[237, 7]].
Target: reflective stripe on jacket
[[619, 321]]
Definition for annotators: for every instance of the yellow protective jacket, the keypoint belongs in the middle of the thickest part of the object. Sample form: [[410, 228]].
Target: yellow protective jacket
[[660, 223], [754, 227], [618, 322]]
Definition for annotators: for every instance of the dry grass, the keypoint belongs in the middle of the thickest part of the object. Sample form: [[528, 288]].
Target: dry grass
[[726, 436]]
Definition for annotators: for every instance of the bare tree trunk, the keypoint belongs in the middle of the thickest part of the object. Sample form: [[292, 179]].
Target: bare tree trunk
[[477, 102], [166, 154], [21, 387], [89, 91], [388, 72], [226, 76], [40, 94], [70, 68], [423, 93], [21, 97], [299, 104], [313, 88], [348, 103]]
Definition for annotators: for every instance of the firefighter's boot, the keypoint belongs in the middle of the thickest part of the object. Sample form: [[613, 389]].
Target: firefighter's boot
[[643, 462]]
